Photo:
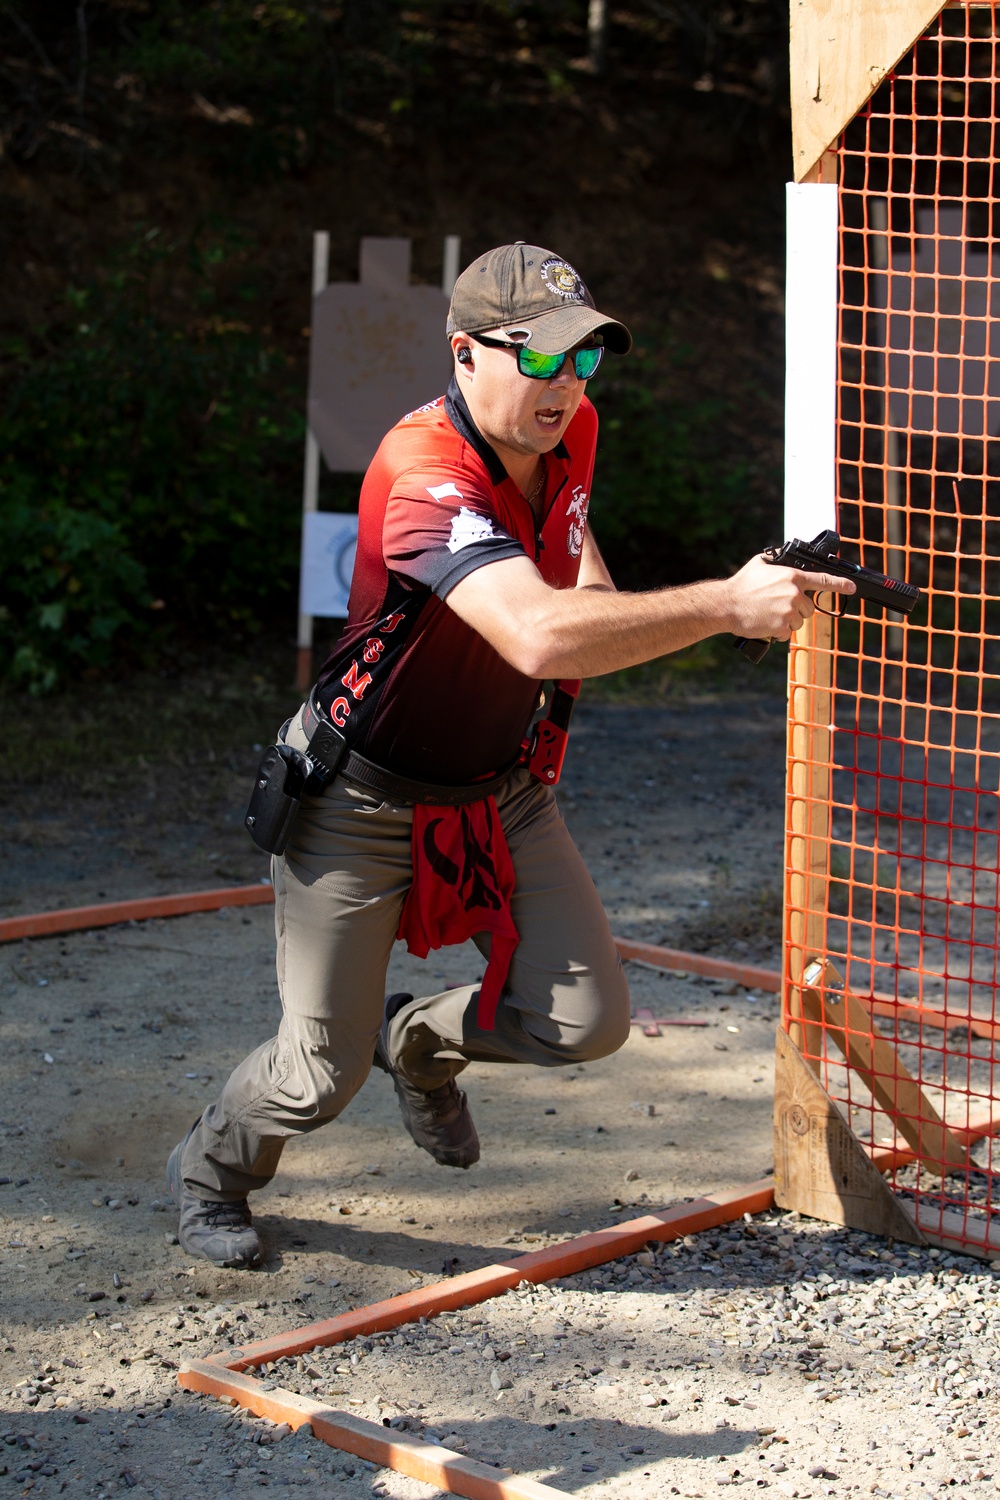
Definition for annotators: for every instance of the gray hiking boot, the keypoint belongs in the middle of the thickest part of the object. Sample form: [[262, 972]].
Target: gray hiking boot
[[221, 1232], [438, 1120]]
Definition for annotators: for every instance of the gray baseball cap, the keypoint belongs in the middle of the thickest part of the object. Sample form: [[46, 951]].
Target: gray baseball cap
[[522, 286]]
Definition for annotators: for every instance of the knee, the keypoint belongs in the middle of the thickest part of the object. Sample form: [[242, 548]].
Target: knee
[[321, 1075], [603, 1026]]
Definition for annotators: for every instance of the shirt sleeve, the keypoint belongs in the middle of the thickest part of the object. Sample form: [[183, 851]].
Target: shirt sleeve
[[439, 528]]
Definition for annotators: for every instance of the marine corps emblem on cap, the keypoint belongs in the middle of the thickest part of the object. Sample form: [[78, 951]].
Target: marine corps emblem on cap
[[536, 292], [561, 279]]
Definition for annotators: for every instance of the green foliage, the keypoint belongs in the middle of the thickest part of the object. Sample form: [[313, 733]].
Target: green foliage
[[674, 497], [148, 474], [268, 88]]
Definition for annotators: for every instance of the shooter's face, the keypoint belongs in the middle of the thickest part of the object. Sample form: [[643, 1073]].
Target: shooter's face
[[511, 410]]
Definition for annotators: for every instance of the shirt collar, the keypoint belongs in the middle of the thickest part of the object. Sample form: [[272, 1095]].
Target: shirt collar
[[458, 414]]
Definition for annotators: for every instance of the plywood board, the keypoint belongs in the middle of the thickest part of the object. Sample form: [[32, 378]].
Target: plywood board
[[820, 1169], [840, 52]]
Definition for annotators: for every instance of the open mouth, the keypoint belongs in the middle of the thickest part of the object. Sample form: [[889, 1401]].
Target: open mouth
[[550, 416]]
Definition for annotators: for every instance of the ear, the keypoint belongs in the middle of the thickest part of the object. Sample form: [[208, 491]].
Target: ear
[[462, 350]]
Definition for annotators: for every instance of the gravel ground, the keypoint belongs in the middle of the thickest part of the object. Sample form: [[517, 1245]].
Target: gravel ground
[[774, 1354], [780, 1353]]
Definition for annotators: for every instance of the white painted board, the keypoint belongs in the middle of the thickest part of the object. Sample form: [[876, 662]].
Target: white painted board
[[811, 360], [329, 542]]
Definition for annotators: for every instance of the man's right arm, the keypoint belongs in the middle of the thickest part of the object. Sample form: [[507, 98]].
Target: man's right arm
[[547, 633]]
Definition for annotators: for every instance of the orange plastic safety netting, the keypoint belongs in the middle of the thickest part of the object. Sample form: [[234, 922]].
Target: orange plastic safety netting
[[893, 863]]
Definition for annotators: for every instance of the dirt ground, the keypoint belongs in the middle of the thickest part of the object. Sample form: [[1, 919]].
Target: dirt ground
[[113, 1041]]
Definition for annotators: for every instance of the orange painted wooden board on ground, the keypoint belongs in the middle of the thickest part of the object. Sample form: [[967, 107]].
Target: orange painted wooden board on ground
[[407, 1454], [108, 913], [564, 1259], [224, 1374]]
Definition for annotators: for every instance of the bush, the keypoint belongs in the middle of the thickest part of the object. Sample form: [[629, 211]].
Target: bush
[[675, 497], [149, 474], [150, 471]]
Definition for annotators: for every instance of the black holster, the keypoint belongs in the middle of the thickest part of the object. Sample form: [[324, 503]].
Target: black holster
[[274, 801]]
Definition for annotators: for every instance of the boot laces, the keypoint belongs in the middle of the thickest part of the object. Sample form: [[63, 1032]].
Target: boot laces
[[228, 1215]]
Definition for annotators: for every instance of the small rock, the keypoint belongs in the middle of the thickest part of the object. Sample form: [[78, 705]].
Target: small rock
[[631, 1175], [171, 1239], [499, 1381], [281, 1431]]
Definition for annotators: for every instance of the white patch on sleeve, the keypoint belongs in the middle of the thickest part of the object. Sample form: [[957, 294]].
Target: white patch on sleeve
[[443, 491], [467, 528]]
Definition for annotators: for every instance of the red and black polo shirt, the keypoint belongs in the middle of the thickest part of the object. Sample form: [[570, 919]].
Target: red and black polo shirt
[[414, 688]]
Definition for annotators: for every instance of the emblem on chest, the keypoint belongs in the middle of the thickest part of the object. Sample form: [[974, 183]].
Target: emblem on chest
[[576, 511]]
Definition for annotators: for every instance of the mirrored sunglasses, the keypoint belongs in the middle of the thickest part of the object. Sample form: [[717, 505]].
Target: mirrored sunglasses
[[538, 366]]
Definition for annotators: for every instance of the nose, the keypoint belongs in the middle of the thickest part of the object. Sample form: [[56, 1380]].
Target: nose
[[566, 374]]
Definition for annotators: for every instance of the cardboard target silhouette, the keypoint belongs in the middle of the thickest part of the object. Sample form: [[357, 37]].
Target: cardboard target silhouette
[[378, 350]]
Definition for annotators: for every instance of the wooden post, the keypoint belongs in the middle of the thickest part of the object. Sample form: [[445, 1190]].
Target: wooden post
[[807, 838], [895, 557], [310, 478]]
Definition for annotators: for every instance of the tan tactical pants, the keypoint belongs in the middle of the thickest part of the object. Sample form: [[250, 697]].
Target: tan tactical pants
[[338, 889]]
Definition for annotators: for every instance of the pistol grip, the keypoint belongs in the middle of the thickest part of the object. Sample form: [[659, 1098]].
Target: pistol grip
[[751, 649]]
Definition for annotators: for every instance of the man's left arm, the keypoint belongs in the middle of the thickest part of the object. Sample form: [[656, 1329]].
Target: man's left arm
[[593, 571]]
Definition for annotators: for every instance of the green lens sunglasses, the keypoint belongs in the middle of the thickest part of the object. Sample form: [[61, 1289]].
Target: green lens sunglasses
[[538, 366]]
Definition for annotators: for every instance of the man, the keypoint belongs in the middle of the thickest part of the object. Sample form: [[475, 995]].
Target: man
[[476, 579]]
